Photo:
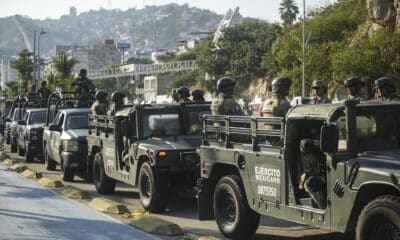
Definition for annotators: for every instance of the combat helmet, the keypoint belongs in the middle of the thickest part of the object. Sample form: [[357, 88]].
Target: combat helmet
[[225, 83], [83, 72], [100, 94], [280, 83], [319, 84], [197, 93], [117, 96], [387, 83], [184, 91], [354, 81]]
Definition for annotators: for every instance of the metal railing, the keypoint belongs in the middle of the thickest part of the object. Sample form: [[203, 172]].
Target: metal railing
[[138, 69]]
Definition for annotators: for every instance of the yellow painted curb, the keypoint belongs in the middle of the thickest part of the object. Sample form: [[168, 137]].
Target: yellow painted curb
[[28, 173], [208, 238], [18, 167], [75, 193], [155, 225], [108, 206], [9, 162], [135, 213], [49, 182]]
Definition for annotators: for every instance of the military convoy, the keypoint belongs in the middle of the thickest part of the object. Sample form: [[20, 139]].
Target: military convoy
[[335, 166], [150, 146]]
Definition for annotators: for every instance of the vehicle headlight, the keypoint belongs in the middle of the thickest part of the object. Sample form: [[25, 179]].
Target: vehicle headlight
[[70, 145], [190, 159]]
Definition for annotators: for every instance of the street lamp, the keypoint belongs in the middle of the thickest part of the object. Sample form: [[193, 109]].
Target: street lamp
[[41, 33]]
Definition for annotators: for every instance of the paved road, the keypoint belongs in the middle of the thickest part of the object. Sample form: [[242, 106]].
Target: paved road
[[29, 211]]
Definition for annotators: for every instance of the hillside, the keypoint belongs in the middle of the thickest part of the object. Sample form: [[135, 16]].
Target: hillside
[[152, 27]]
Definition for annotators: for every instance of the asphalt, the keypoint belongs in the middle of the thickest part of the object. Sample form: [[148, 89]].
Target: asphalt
[[30, 211]]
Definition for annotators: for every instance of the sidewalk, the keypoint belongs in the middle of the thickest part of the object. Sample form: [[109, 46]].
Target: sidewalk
[[30, 211]]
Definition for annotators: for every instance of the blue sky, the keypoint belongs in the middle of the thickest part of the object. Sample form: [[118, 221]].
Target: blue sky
[[264, 9]]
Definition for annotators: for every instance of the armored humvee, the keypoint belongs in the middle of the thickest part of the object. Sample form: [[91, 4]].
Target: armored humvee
[[151, 146], [253, 166]]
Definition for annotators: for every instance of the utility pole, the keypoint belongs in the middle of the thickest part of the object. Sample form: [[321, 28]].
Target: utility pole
[[39, 61], [304, 50]]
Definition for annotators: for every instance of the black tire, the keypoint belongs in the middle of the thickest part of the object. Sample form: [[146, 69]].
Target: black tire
[[8, 140], [103, 183], [28, 156], [89, 169], [153, 188], [67, 174], [380, 219], [20, 151], [235, 219], [49, 163]]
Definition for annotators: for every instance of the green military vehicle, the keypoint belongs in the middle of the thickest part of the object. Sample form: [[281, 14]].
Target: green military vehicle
[[334, 166], [150, 146]]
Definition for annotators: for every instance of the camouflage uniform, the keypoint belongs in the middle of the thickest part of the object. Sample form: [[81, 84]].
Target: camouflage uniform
[[354, 85], [114, 107], [320, 97], [84, 89], [322, 100], [99, 108], [387, 89], [44, 94], [360, 96], [225, 105], [276, 106]]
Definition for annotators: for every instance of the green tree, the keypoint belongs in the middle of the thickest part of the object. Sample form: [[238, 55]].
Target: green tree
[[63, 65], [13, 88], [24, 65], [134, 60], [288, 11]]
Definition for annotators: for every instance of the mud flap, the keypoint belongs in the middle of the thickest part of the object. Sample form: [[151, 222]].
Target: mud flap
[[205, 209]]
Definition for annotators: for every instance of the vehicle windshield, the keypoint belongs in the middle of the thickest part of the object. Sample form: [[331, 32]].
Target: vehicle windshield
[[374, 131], [77, 122], [17, 116], [161, 125], [37, 117]]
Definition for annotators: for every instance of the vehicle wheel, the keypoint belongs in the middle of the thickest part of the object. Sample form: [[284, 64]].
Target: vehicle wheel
[[28, 156], [13, 147], [67, 174], [49, 163], [235, 219], [153, 188], [103, 183], [20, 151], [380, 219], [8, 139]]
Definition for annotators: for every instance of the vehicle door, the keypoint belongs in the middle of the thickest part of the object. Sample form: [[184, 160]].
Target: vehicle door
[[21, 129], [55, 138], [263, 166]]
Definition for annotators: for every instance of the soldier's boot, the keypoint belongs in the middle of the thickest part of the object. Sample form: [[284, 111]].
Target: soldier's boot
[[315, 186]]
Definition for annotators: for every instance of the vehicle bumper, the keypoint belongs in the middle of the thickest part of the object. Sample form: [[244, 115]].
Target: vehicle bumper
[[74, 160]]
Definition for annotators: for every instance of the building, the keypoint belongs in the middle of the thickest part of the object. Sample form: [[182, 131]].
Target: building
[[155, 89], [92, 56], [7, 73]]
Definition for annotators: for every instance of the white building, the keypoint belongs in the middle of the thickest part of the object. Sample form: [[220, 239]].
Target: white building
[[7, 73]]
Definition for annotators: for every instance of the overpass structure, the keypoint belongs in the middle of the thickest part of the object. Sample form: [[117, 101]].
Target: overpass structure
[[142, 69]]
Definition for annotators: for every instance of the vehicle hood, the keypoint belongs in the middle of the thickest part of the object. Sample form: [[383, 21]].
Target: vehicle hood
[[173, 143], [377, 166], [36, 125], [74, 134]]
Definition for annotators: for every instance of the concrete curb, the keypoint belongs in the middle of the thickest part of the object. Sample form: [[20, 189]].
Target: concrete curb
[[155, 225], [108, 206], [28, 173], [208, 238], [71, 192], [49, 182], [9, 162], [18, 167]]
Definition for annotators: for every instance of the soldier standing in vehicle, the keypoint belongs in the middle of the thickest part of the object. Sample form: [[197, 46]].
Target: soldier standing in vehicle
[[319, 90], [354, 87], [386, 89], [278, 105], [117, 104], [175, 96], [32, 93], [100, 106], [224, 103], [84, 88], [184, 94], [43, 93], [198, 96]]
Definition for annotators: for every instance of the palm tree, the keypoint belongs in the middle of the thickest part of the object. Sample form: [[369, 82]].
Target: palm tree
[[63, 65], [288, 11]]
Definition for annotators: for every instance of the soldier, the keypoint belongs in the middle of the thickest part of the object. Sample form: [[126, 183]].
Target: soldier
[[84, 88], [278, 105], [224, 104], [43, 93], [32, 93], [386, 89], [184, 94], [319, 90], [117, 104], [100, 106], [198, 96], [354, 87], [175, 96]]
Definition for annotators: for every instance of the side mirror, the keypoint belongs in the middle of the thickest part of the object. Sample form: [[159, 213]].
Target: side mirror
[[21, 122], [329, 138], [54, 127]]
